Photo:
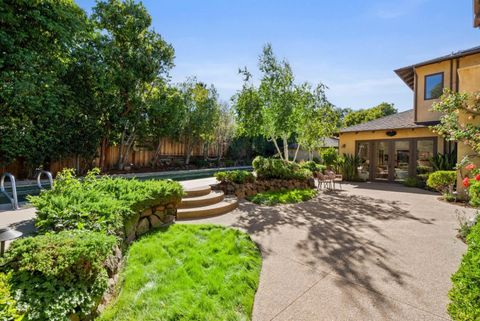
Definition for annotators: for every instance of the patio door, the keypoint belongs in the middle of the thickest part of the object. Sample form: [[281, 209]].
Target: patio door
[[392, 160], [382, 161]]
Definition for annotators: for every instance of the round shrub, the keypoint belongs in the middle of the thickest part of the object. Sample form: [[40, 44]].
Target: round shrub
[[238, 177], [442, 181], [271, 168], [329, 156], [56, 275]]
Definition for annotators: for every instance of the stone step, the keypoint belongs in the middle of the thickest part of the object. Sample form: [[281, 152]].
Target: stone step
[[197, 191], [204, 200], [225, 206]]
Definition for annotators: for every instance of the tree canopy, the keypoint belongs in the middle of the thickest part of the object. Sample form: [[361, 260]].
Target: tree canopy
[[280, 110], [355, 117]]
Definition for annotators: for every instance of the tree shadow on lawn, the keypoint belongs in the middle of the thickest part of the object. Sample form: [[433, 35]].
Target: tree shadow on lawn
[[335, 232]]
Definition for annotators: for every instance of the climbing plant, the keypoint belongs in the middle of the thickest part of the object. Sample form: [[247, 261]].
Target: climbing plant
[[451, 105]]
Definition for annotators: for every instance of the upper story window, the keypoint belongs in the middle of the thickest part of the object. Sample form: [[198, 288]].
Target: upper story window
[[433, 86]]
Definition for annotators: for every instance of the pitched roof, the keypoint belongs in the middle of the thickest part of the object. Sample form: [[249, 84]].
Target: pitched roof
[[327, 142], [400, 120], [407, 73]]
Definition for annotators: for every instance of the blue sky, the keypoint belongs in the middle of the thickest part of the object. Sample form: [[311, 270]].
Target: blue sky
[[351, 46]]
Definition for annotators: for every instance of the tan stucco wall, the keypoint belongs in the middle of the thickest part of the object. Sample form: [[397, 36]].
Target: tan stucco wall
[[449, 69], [469, 82], [348, 140], [423, 112]]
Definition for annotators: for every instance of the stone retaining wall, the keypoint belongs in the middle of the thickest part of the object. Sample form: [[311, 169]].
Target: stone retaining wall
[[260, 185], [154, 216]]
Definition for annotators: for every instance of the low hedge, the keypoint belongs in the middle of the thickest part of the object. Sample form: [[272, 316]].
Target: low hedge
[[442, 180], [465, 293], [271, 168], [98, 204], [59, 274], [238, 177]]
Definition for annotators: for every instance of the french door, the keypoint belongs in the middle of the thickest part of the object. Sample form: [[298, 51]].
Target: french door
[[395, 159]]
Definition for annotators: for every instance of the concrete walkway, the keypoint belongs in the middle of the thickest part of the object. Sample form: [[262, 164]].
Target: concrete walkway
[[370, 252]]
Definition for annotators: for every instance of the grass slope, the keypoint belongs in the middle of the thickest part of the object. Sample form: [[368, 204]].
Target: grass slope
[[189, 272], [283, 197]]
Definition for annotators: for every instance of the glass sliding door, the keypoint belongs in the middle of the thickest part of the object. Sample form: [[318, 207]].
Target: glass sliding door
[[425, 151], [364, 156], [382, 160], [402, 157]]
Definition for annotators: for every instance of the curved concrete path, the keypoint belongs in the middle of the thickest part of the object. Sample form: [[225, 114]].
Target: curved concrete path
[[370, 252]]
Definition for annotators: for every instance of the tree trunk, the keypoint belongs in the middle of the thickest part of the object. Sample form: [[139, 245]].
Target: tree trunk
[[285, 148], [278, 148], [103, 152], [156, 157], [296, 152]]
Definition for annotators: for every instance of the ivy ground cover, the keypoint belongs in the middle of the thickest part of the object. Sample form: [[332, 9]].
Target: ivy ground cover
[[188, 272]]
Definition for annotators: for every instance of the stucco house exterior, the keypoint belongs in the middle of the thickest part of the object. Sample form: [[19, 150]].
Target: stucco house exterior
[[398, 146]]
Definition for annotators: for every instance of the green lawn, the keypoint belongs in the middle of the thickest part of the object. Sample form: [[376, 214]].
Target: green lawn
[[283, 197], [188, 272]]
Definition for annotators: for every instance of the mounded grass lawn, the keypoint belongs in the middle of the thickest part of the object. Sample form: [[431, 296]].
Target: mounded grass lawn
[[283, 197], [188, 272]]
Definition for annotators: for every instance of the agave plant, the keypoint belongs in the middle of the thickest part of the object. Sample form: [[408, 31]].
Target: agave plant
[[444, 162], [349, 167]]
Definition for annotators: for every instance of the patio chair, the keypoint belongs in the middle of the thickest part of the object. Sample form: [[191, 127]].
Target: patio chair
[[334, 178], [323, 181]]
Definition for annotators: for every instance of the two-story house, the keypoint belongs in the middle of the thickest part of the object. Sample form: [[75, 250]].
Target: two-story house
[[395, 147]]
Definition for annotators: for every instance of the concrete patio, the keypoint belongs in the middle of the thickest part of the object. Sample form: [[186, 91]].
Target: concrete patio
[[372, 251]]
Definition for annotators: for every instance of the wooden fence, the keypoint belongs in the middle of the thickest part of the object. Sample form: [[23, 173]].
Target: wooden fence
[[139, 157]]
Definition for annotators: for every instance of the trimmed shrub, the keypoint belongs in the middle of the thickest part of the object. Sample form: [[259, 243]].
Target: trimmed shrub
[[313, 167], [98, 204], [8, 306], [56, 275], [465, 293], [270, 168], [238, 177], [442, 181]]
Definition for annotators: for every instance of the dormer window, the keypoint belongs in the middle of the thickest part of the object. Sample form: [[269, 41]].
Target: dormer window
[[433, 86]]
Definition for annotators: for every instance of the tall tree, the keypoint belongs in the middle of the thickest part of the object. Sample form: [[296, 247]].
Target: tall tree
[[136, 57], [165, 113], [37, 39], [281, 111], [317, 118], [202, 115], [225, 130]]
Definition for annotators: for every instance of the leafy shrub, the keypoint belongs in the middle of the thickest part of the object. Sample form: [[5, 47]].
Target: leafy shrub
[[465, 293], [329, 156], [349, 167], [283, 197], [313, 167], [98, 203], [8, 309], [270, 168], [55, 275], [238, 177], [442, 181], [474, 191]]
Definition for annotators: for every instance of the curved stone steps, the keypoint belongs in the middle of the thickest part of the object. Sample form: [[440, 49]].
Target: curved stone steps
[[223, 207], [197, 191], [198, 201]]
